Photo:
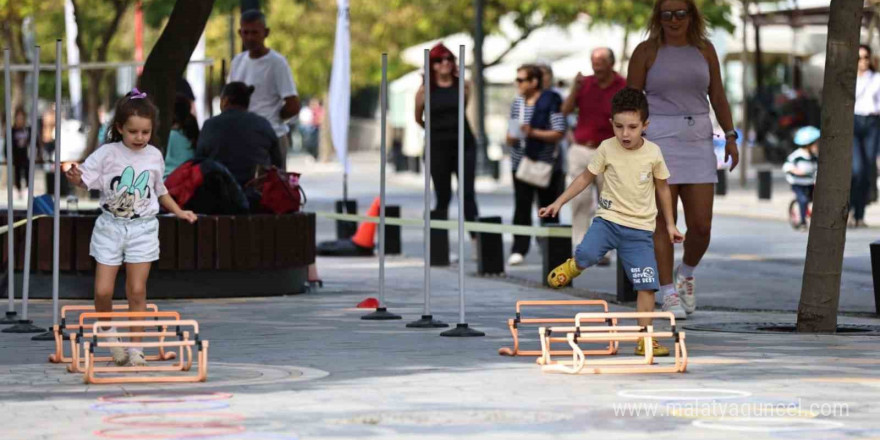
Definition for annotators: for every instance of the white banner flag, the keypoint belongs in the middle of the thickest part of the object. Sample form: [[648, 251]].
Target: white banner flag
[[73, 58], [340, 85]]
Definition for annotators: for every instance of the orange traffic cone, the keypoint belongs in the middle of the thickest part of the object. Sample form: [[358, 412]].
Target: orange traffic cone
[[366, 231]]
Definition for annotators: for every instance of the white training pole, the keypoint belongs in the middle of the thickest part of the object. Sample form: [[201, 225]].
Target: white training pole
[[10, 169], [427, 320], [56, 227], [32, 153], [462, 328], [56, 214], [24, 325], [461, 122], [427, 165], [381, 313]]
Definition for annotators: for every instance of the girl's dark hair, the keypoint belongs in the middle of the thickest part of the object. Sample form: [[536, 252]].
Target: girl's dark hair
[[870, 56], [133, 104], [185, 120], [630, 100], [238, 93]]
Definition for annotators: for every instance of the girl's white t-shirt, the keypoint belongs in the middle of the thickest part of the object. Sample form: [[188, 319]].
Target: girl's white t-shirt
[[130, 181]]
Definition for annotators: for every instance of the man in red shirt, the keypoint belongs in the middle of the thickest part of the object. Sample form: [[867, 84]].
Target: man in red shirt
[[591, 96]]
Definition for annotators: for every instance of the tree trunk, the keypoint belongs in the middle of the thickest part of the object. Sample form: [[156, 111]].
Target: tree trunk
[[95, 77], [169, 57], [93, 98], [820, 294]]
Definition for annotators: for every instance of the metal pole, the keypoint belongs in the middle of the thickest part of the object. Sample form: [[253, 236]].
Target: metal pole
[[381, 313], [24, 325], [56, 217], [427, 320], [461, 329], [10, 235]]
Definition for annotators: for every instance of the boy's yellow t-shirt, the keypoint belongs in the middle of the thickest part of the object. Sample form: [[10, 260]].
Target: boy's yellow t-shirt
[[627, 196]]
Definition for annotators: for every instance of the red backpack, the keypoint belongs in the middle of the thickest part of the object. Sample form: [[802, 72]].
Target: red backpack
[[280, 191]]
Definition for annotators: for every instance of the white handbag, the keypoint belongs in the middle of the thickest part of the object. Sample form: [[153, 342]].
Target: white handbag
[[534, 172]]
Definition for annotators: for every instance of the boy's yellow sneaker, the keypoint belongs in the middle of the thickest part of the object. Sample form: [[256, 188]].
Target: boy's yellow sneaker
[[659, 350], [563, 274]]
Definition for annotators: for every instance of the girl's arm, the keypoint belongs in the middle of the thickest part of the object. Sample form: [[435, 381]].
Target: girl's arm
[[665, 197], [635, 77], [74, 176], [579, 184], [171, 206]]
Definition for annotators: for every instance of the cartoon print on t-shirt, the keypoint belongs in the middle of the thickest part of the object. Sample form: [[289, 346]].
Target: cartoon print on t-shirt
[[130, 195]]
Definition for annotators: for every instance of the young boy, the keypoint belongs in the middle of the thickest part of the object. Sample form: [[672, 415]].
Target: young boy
[[800, 168], [634, 172]]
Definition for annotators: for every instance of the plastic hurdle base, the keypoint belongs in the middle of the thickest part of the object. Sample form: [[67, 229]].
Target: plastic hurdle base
[[95, 374], [58, 335], [579, 333], [515, 323]]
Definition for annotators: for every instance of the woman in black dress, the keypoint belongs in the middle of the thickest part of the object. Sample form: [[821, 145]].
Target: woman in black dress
[[444, 133]]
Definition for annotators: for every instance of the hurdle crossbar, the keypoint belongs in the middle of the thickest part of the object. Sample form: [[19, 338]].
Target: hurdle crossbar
[[95, 374], [515, 323], [579, 333], [79, 334], [58, 356]]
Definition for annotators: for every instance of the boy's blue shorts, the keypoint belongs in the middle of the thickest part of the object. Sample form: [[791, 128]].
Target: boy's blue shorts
[[635, 248]]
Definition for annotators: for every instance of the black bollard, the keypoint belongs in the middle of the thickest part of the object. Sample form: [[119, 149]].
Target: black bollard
[[875, 271], [490, 252], [625, 290], [439, 242], [721, 186], [393, 245], [346, 229], [555, 251], [765, 184]]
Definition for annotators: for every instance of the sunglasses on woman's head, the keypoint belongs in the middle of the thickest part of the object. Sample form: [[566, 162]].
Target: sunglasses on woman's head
[[680, 14], [449, 58]]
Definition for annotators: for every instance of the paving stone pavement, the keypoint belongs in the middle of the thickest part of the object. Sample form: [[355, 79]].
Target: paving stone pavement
[[306, 367]]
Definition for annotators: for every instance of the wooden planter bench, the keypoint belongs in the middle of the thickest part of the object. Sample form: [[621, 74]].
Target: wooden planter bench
[[218, 256]]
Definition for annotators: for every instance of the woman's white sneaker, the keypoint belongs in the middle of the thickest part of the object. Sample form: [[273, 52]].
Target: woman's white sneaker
[[685, 288], [515, 259], [672, 304]]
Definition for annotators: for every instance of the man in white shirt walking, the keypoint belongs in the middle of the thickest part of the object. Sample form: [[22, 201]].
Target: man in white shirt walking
[[275, 97]]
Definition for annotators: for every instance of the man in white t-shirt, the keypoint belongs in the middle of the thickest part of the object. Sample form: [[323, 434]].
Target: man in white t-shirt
[[275, 96]]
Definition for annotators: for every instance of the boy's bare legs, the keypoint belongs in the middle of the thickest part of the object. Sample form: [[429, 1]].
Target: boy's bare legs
[[645, 303]]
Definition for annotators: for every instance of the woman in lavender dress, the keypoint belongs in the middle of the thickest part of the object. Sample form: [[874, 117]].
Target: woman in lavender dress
[[678, 69]]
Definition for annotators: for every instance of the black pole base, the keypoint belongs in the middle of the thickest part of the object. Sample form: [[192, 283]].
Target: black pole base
[[462, 331], [427, 321], [9, 319], [380, 315], [24, 327]]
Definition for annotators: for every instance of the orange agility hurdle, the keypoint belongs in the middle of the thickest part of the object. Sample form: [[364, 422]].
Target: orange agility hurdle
[[580, 364], [59, 357], [93, 373], [515, 323], [77, 337]]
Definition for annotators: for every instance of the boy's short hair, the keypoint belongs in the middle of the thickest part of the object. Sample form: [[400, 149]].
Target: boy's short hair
[[630, 100]]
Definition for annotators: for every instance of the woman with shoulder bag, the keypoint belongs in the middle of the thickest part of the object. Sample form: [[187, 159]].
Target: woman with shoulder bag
[[536, 127]]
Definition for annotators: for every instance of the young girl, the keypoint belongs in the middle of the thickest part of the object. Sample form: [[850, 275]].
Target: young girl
[[128, 171]]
